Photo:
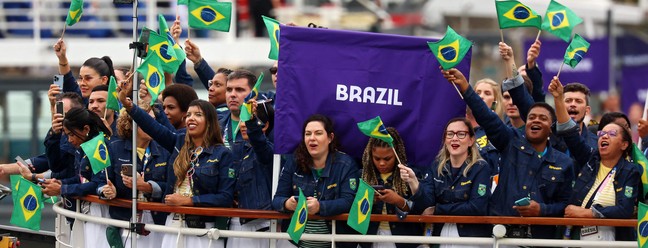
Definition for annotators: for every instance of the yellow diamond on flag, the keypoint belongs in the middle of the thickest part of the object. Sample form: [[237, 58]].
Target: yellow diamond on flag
[[29, 204], [207, 15]]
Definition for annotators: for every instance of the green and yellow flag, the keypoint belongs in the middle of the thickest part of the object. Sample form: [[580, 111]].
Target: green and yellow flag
[[246, 108], [112, 102], [360, 212], [273, 32], [153, 76], [376, 129], [28, 203], [511, 14], [640, 159], [183, 2], [74, 13], [164, 31], [299, 219], [642, 225], [206, 14], [97, 153], [450, 50], [576, 51], [560, 20], [160, 47]]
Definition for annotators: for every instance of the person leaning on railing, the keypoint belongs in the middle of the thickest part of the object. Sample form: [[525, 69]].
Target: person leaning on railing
[[327, 177], [151, 178], [607, 184], [202, 167]]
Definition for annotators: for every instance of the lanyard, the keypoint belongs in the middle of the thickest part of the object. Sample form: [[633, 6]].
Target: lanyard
[[605, 182], [147, 156]]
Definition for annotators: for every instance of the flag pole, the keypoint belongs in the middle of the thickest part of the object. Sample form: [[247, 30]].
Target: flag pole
[[538, 36], [559, 70], [63, 33], [502, 35], [458, 92], [395, 153], [134, 156]]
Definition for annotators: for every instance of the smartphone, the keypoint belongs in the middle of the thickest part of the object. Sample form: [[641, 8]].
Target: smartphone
[[58, 80], [378, 187], [523, 202], [22, 161], [127, 170], [59, 108]]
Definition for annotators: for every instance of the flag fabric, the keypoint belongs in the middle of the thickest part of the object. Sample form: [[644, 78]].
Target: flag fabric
[[153, 76], [183, 2], [360, 212], [343, 83], [164, 31], [28, 203], [273, 32], [376, 129], [511, 14], [112, 102], [451, 49], [51, 199], [97, 153], [206, 14], [576, 51], [640, 159], [160, 47], [74, 13], [642, 225], [299, 219], [246, 108], [560, 20]]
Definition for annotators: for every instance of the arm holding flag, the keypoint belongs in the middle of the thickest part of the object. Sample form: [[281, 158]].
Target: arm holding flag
[[514, 83], [202, 68], [69, 83], [533, 72], [263, 148]]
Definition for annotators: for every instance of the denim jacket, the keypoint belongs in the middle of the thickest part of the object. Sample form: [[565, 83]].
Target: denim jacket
[[59, 156], [254, 174], [487, 150]]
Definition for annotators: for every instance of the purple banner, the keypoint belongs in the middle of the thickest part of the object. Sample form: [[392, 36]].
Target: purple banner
[[592, 71], [633, 54], [355, 76]]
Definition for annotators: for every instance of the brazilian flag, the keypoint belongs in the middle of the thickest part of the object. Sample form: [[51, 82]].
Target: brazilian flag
[[153, 76], [97, 153], [75, 12], [450, 50], [183, 2], [160, 47], [560, 20], [640, 159], [246, 108], [360, 212], [164, 31], [642, 225], [209, 14], [112, 102], [273, 31], [376, 129], [299, 219], [28, 203], [576, 51], [511, 14]]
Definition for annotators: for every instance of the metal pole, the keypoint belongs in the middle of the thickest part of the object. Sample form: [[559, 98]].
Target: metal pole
[[135, 85]]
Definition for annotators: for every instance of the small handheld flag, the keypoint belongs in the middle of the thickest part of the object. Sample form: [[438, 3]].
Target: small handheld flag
[[451, 49], [153, 77], [97, 153], [183, 2], [160, 47], [560, 20], [246, 108], [273, 31], [299, 219], [28, 203], [164, 31], [74, 13], [640, 159], [642, 225], [360, 212], [576, 51], [376, 129], [112, 102], [511, 14], [204, 14]]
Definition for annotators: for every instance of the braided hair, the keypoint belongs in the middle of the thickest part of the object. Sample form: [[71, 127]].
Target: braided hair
[[369, 169]]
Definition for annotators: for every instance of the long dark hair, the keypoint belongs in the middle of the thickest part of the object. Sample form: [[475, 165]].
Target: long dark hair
[[77, 118], [368, 166], [302, 156], [103, 66], [211, 137]]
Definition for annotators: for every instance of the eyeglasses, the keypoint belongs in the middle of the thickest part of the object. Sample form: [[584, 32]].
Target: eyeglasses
[[460, 134], [273, 70], [611, 133]]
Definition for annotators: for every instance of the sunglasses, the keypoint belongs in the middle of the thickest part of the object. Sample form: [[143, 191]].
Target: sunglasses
[[611, 133], [273, 70], [460, 134]]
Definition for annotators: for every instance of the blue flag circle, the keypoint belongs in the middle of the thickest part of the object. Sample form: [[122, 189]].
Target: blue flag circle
[[449, 53], [102, 151], [643, 229], [302, 215], [364, 206], [164, 49], [207, 14], [30, 203], [154, 80], [521, 13], [557, 19]]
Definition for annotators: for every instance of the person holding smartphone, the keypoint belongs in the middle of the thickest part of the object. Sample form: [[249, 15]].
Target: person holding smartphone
[[394, 195]]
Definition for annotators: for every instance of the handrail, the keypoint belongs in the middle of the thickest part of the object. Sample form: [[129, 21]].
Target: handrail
[[269, 214]]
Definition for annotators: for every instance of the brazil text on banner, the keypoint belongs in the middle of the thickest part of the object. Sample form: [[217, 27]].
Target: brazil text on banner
[[358, 76]]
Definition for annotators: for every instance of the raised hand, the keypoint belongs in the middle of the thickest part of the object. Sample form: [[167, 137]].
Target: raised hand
[[456, 77], [193, 52], [533, 53]]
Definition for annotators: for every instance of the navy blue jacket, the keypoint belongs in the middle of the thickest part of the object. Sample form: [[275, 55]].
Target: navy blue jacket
[[181, 76], [254, 174], [72, 187], [463, 195], [70, 85], [59, 156], [523, 172], [155, 173], [538, 85], [487, 150]]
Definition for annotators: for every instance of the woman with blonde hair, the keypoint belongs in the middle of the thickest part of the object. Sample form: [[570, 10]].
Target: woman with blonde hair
[[491, 93]]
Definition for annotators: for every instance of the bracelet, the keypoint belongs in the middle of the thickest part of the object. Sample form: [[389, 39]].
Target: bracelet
[[63, 64], [33, 177]]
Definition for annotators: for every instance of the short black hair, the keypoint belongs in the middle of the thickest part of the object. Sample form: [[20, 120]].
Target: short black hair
[[578, 87], [224, 71], [610, 117], [101, 87], [75, 99], [546, 106], [183, 93], [242, 73]]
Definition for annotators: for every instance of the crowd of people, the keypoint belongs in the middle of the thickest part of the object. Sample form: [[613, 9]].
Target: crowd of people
[[511, 155]]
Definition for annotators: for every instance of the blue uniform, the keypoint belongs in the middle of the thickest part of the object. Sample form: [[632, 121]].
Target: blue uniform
[[154, 165], [59, 156], [254, 174], [545, 179], [487, 150]]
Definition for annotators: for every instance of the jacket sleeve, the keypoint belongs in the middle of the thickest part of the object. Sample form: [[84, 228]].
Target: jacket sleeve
[[224, 195], [498, 133], [161, 134], [53, 152], [343, 202], [205, 72], [181, 76], [70, 85], [161, 118], [538, 85], [284, 187], [424, 197], [263, 148], [626, 196], [40, 163], [578, 147], [520, 96], [477, 204], [88, 188]]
